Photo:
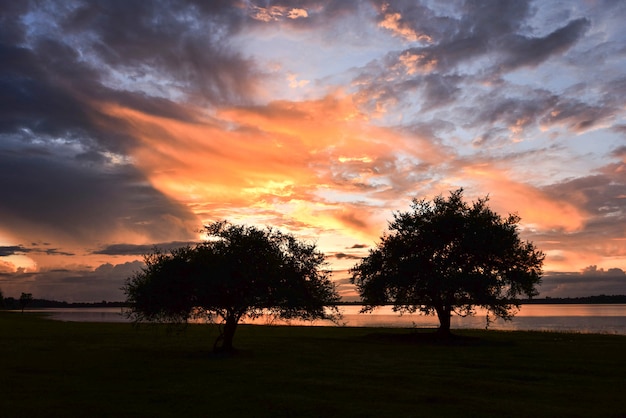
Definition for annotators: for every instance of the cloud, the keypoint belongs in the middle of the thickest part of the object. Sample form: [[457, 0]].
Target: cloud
[[358, 246], [6, 251], [34, 102], [600, 272], [342, 256], [273, 155], [78, 284], [400, 26], [297, 13], [66, 198], [537, 208], [578, 117], [520, 51], [620, 151], [479, 30], [599, 239], [6, 267], [72, 158], [54, 81], [197, 60], [134, 249], [128, 124], [479, 45], [589, 282], [12, 249]]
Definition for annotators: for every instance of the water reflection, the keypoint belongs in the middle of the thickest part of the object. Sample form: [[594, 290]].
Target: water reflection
[[573, 310], [84, 314], [573, 318]]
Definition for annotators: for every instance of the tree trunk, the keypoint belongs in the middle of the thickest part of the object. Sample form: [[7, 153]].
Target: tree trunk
[[444, 314], [228, 334]]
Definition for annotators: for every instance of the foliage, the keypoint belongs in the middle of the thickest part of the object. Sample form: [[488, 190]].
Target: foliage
[[449, 256], [238, 271]]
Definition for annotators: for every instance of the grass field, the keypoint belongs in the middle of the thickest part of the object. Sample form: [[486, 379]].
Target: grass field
[[64, 369]]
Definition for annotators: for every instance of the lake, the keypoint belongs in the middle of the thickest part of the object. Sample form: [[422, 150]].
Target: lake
[[585, 318]]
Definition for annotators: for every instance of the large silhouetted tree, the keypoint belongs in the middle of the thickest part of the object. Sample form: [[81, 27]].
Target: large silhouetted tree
[[446, 256], [238, 271]]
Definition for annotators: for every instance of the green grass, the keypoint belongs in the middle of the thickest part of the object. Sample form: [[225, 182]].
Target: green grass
[[50, 368]]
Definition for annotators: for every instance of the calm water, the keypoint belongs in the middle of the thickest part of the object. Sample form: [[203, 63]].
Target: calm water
[[609, 319]]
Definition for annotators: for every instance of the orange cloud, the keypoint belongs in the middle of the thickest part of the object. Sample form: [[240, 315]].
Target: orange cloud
[[417, 63], [260, 160], [537, 209], [393, 22], [7, 267]]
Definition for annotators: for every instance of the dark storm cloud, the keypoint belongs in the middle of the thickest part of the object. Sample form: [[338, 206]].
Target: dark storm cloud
[[31, 100], [590, 282], [20, 249], [85, 201], [59, 62], [50, 83], [182, 42], [11, 29], [132, 249], [12, 250], [47, 93], [520, 51], [75, 285]]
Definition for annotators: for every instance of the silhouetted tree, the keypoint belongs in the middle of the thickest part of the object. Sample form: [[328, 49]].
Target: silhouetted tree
[[1, 299], [448, 256], [25, 300], [238, 271]]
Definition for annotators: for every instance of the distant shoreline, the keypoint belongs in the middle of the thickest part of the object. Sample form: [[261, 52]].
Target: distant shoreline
[[601, 299], [595, 300], [12, 303]]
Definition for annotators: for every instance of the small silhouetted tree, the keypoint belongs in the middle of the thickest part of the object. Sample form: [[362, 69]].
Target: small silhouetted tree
[[1, 299], [239, 271], [449, 256], [25, 300]]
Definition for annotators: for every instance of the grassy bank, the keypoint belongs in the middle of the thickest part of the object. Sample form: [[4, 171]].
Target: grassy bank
[[50, 368]]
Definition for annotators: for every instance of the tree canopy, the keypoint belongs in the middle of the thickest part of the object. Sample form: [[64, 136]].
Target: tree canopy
[[238, 271], [446, 256]]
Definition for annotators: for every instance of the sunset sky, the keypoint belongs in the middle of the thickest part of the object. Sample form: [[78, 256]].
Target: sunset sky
[[125, 124]]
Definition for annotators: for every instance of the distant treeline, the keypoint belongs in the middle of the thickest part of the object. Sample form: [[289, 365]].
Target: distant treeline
[[586, 299], [600, 299], [13, 303]]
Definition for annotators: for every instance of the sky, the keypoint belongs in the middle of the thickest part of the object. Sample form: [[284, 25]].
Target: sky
[[130, 124]]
